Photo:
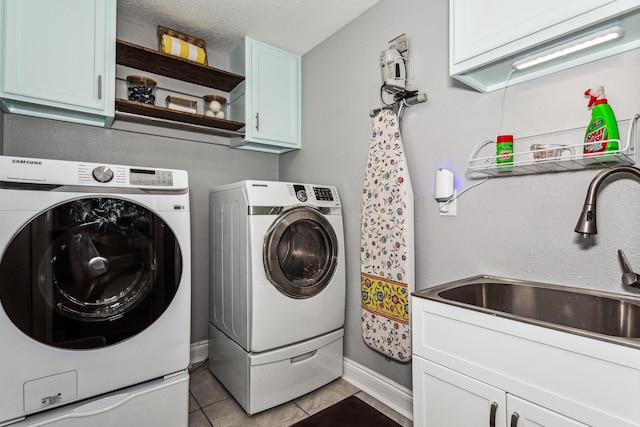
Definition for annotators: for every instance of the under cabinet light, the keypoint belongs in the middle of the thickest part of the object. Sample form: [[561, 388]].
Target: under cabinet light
[[570, 47]]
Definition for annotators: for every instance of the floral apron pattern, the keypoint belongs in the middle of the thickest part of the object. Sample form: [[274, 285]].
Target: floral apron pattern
[[386, 236]]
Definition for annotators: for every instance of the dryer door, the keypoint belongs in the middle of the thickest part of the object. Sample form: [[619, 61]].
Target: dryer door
[[300, 252], [89, 273]]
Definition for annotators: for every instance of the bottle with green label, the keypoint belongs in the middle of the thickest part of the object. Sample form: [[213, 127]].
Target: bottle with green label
[[504, 150], [603, 126]]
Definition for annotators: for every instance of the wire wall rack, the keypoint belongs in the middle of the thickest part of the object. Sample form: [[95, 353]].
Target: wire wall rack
[[570, 158], [525, 164]]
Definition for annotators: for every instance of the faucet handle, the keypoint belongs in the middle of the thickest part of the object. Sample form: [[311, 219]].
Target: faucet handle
[[629, 278]]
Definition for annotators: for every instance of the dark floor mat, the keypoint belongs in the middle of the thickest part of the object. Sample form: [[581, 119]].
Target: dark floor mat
[[350, 412]]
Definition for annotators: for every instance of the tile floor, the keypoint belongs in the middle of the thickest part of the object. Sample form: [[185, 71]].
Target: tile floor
[[211, 405]]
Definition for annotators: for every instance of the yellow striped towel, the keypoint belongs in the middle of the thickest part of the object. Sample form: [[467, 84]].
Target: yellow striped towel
[[175, 46]]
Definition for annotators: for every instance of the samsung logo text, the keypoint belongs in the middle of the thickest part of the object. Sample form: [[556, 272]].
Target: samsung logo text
[[26, 162]]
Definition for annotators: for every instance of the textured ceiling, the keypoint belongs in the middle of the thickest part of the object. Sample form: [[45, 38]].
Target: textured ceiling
[[294, 25]]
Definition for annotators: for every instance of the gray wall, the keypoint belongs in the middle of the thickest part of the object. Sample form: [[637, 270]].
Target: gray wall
[[209, 164], [519, 227], [1, 132]]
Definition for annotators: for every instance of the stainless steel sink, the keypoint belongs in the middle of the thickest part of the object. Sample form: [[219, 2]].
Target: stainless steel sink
[[595, 314]]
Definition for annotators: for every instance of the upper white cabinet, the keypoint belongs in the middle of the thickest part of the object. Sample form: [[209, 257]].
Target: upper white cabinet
[[269, 99], [487, 36], [58, 59]]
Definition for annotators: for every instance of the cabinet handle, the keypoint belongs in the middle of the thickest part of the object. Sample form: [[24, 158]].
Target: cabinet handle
[[514, 419], [492, 415], [99, 87], [257, 121]]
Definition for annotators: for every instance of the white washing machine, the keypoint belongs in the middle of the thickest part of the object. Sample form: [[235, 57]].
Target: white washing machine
[[277, 290], [95, 285]]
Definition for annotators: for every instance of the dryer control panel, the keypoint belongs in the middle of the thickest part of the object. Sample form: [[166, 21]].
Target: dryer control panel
[[313, 193], [319, 193], [301, 193], [285, 194], [323, 193]]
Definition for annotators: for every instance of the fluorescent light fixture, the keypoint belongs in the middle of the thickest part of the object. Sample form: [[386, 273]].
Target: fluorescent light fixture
[[570, 47]]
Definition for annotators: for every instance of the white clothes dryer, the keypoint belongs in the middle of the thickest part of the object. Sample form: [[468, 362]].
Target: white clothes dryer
[[95, 285], [277, 289]]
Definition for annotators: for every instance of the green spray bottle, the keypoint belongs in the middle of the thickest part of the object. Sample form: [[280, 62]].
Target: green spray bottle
[[602, 127]]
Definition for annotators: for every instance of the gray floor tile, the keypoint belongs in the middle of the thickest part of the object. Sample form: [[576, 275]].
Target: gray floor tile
[[326, 396], [280, 416], [395, 416], [219, 409], [198, 419], [228, 413], [206, 389], [193, 405]]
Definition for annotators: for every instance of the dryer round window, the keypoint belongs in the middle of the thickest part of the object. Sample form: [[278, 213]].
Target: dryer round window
[[300, 252]]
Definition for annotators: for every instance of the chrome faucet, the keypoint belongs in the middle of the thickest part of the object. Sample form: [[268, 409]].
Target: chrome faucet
[[587, 223]]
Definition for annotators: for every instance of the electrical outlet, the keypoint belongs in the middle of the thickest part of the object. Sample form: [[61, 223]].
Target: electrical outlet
[[449, 209]]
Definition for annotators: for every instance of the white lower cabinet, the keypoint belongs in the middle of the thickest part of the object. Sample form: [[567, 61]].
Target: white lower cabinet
[[474, 369], [443, 397]]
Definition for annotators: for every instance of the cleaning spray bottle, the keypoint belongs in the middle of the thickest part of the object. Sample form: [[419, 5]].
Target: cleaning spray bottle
[[602, 127]]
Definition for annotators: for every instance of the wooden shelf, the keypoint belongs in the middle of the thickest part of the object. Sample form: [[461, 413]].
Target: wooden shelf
[[156, 62], [137, 111], [142, 58]]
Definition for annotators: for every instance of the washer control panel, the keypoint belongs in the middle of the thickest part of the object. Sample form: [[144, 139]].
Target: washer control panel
[[150, 177], [138, 177], [62, 172]]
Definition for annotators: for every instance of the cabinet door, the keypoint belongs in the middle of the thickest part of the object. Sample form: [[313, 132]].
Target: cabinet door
[[522, 413], [275, 93], [487, 36], [268, 101], [442, 397], [480, 26], [58, 54]]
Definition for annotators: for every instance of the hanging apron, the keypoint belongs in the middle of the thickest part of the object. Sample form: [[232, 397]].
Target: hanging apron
[[386, 239]]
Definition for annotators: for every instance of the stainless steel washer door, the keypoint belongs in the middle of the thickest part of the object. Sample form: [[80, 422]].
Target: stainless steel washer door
[[300, 252]]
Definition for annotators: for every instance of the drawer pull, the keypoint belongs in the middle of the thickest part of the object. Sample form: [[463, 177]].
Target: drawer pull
[[514, 419], [492, 415], [303, 356]]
